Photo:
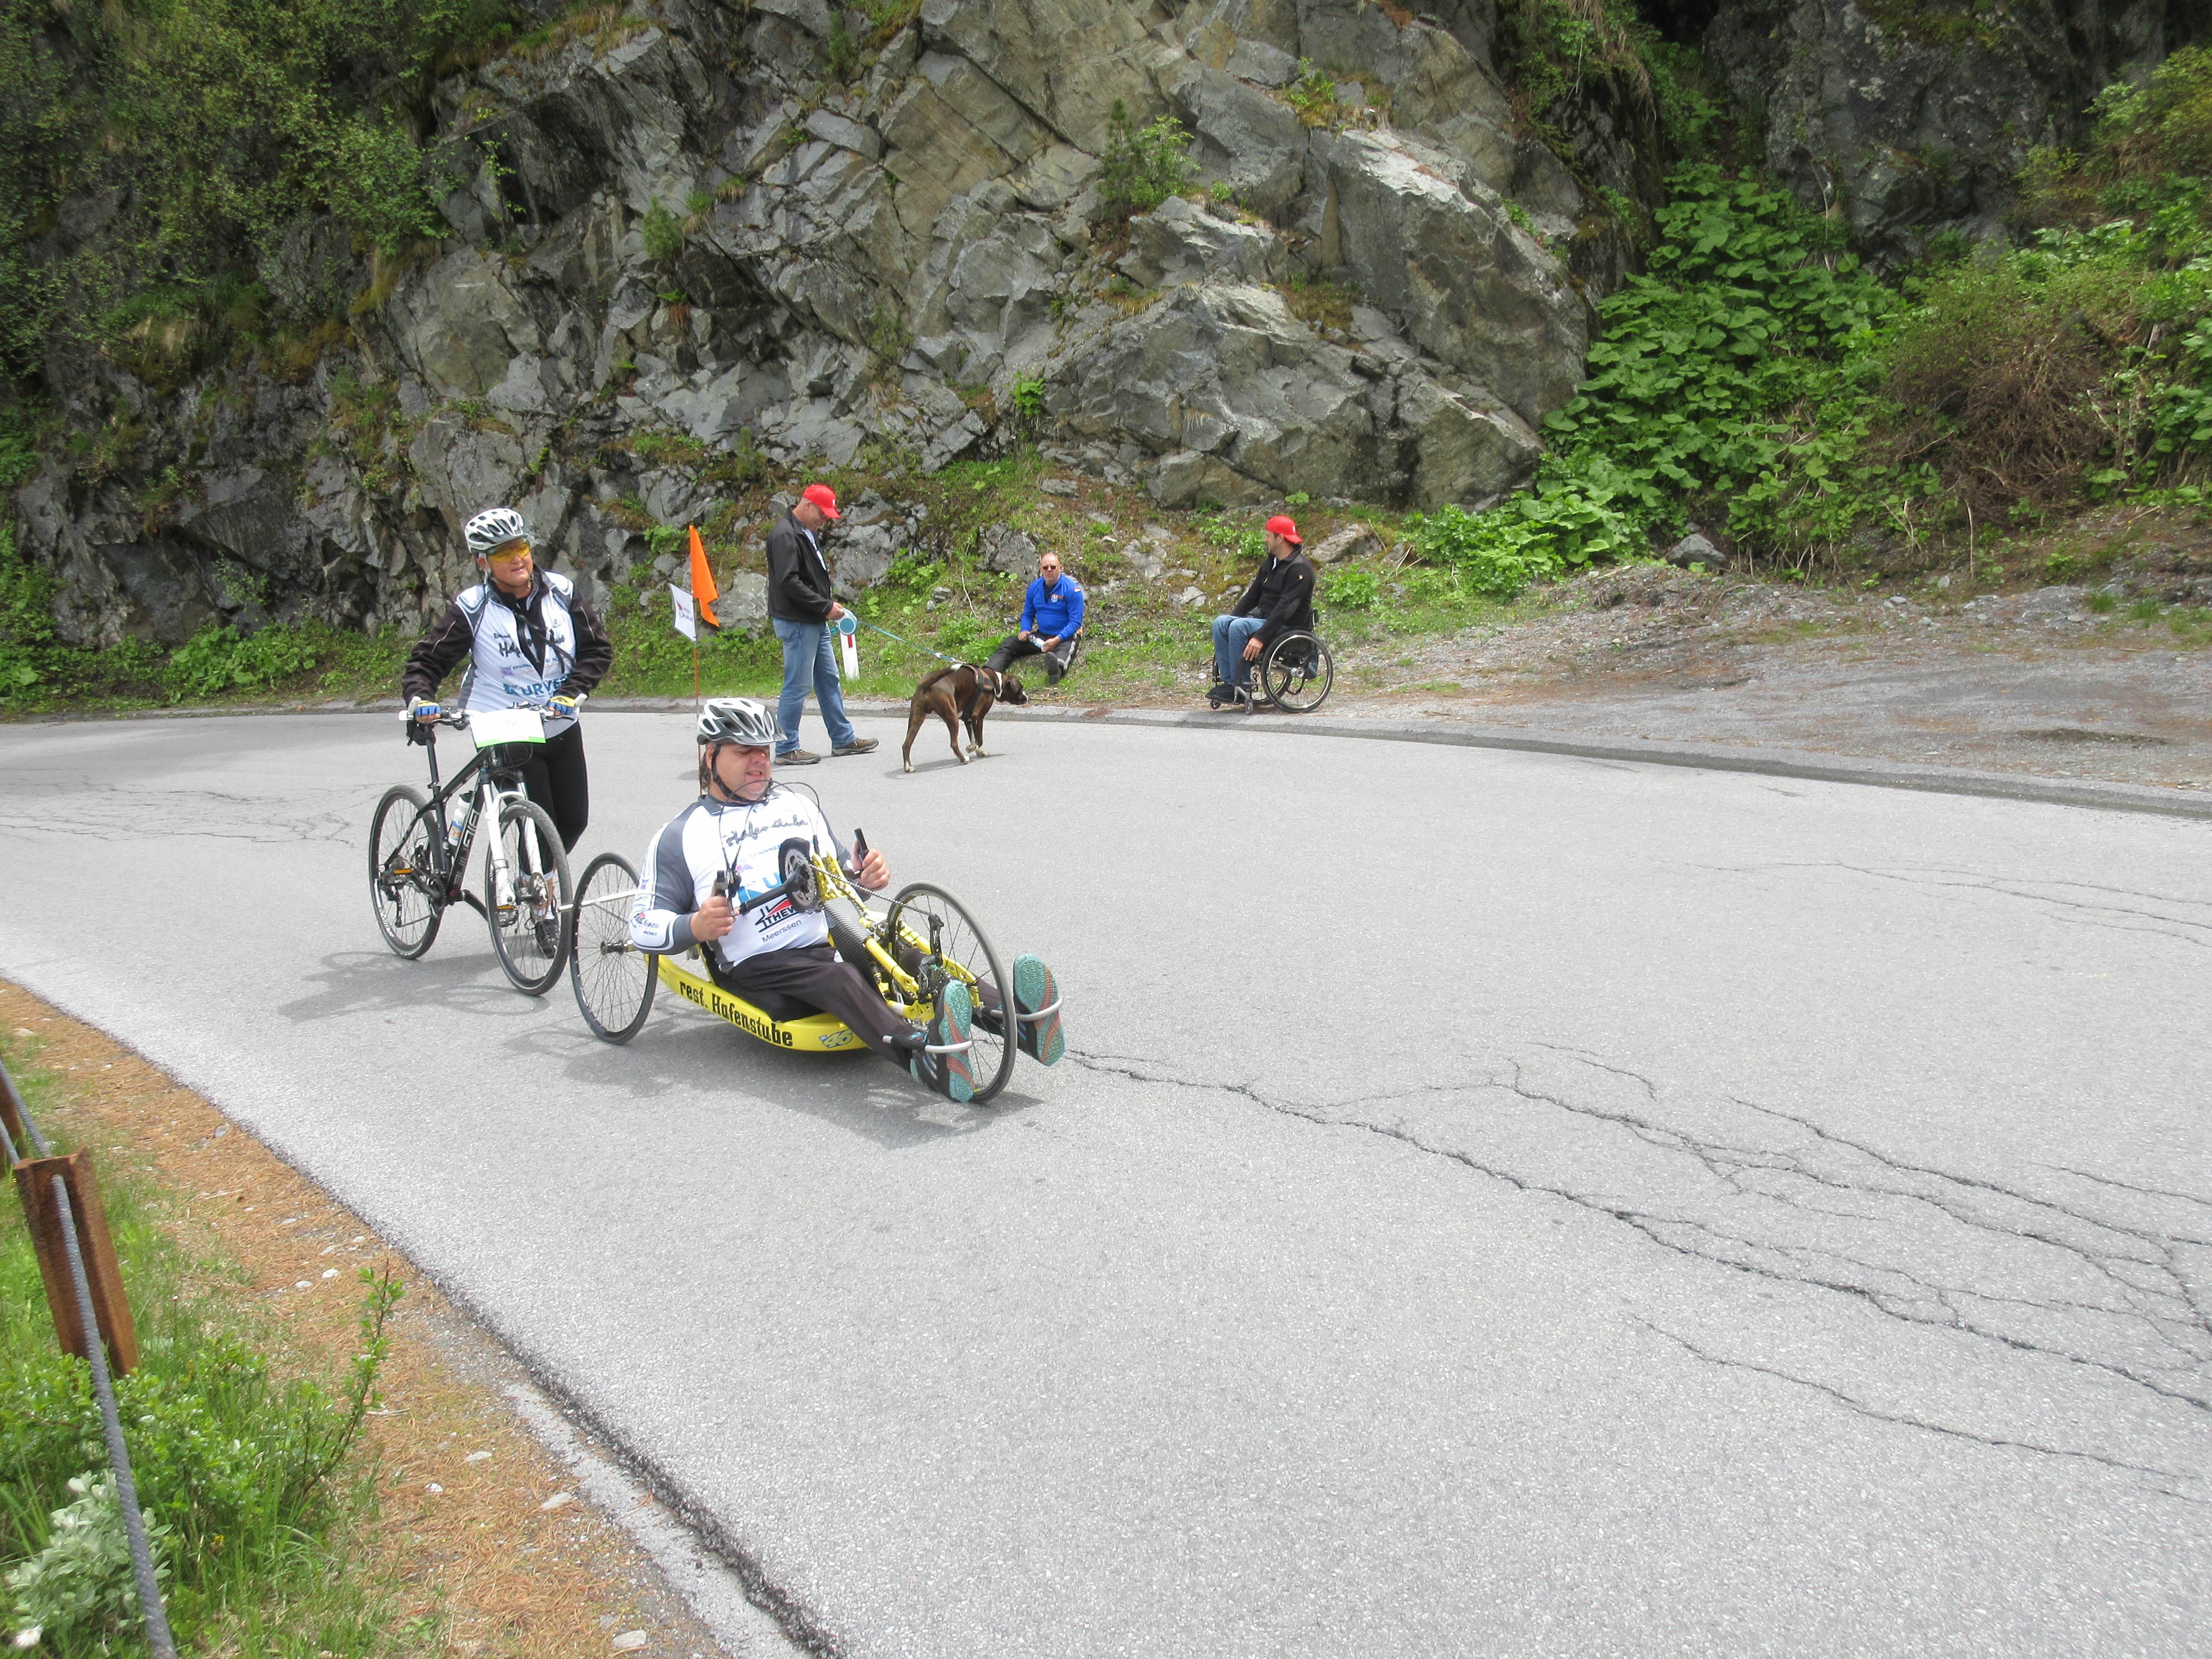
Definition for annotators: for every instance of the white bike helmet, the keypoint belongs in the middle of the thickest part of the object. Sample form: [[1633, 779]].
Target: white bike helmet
[[494, 527], [739, 719]]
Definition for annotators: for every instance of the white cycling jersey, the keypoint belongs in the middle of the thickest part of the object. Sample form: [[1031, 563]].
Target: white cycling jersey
[[676, 875], [501, 673]]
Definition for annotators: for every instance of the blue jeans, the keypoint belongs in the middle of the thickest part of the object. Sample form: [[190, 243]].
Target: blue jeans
[[807, 651], [1230, 635]]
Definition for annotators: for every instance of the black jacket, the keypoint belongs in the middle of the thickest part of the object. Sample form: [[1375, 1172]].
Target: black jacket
[[452, 637], [1283, 594], [797, 576]]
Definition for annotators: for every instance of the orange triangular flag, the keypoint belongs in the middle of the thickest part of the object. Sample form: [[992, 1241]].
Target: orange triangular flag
[[702, 581]]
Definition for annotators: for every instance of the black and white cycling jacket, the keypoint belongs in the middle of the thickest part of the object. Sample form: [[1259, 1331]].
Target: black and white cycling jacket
[[521, 652], [676, 875]]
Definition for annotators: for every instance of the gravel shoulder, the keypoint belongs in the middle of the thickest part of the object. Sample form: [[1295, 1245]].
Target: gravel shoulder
[[2037, 682]]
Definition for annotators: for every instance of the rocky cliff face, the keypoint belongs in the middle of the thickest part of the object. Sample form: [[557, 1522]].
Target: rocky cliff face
[[737, 235], [1912, 118], [704, 244]]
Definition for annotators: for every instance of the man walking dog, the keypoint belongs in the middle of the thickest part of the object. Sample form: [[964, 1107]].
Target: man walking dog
[[1280, 597], [801, 610], [1052, 616]]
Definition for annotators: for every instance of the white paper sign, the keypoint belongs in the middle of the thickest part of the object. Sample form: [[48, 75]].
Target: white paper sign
[[687, 619], [507, 726]]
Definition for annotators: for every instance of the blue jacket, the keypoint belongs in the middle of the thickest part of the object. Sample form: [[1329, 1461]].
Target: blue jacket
[[1056, 615]]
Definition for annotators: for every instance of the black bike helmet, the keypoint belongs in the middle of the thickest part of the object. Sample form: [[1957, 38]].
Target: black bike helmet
[[739, 719]]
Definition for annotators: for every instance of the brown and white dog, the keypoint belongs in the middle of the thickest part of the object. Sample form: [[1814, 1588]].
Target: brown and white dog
[[957, 695]]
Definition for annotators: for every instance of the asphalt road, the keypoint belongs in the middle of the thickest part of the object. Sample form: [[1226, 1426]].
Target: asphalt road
[[1496, 1204]]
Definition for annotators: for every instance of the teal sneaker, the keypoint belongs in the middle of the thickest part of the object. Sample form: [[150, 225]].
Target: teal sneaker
[[948, 1073], [1036, 1004]]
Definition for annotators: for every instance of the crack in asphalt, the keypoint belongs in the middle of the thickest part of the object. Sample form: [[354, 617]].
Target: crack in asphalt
[[103, 812], [2120, 1300], [1863, 1408], [2187, 929]]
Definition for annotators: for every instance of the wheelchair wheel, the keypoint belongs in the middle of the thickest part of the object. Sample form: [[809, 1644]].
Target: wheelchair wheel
[[614, 981], [934, 937], [1296, 672]]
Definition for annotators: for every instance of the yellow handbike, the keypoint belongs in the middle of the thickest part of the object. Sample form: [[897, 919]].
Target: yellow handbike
[[910, 949]]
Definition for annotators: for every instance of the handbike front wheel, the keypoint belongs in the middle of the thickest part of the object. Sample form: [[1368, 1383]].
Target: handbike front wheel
[[404, 882], [934, 935], [613, 979], [530, 919]]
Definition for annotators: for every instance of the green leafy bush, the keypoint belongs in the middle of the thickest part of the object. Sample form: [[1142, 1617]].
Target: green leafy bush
[[220, 658], [1142, 166], [84, 1578], [1027, 395], [662, 234], [1352, 588]]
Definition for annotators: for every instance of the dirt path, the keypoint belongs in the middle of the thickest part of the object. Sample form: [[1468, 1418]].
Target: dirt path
[[2037, 682]]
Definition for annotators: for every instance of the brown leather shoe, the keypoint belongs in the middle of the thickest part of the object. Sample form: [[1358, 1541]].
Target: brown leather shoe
[[858, 746], [796, 757]]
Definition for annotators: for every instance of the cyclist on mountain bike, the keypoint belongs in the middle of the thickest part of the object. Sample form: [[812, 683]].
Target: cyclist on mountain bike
[[738, 828], [531, 642]]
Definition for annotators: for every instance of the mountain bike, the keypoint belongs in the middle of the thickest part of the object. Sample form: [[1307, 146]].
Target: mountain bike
[[910, 949], [418, 850]]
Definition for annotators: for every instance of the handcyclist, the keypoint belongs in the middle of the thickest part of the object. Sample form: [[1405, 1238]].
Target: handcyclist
[[738, 828], [530, 642]]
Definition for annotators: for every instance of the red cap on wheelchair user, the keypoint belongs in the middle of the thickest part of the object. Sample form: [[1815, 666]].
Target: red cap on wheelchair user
[[823, 497], [1281, 525]]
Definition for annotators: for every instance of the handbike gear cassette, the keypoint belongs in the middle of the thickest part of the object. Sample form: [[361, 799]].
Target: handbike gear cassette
[[801, 886]]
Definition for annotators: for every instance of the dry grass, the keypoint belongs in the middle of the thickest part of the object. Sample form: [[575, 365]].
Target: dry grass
[[509, 1578]]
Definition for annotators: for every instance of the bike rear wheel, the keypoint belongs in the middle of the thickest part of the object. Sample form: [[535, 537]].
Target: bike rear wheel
[[935, 938], [613, 979], [404, 887], [530, 928]]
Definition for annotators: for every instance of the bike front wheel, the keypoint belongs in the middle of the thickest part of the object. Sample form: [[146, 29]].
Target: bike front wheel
[[935, 939], [528, 899], [613, 979], [404, 887]]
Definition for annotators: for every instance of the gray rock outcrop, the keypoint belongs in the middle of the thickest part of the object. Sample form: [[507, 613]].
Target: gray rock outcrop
[[681, 251], [1913, 122]]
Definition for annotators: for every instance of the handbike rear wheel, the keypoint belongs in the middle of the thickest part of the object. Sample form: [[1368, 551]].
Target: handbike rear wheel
[[530, 931], [403, 884], [928, 921], [613, 979]]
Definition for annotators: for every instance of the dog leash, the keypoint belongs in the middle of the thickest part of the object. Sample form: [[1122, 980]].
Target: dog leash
[[909, 644]]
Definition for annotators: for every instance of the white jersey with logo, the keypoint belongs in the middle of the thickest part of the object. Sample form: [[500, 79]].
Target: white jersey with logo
[[709, 836], [501, 674]]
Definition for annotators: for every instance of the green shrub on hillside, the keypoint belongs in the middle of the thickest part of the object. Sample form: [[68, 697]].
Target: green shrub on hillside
[[1142, 166]]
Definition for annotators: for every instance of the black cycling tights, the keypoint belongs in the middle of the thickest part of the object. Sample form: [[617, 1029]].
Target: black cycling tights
[[557, 780]]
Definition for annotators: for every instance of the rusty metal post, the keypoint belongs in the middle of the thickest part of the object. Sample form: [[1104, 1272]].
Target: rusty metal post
[[34, 1180]]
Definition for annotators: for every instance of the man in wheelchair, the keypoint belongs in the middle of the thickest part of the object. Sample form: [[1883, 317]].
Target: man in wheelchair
[[737, 830], [1279, 599]]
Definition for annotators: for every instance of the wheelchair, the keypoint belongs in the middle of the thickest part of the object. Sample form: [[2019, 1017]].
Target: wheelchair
[[1293, 673]]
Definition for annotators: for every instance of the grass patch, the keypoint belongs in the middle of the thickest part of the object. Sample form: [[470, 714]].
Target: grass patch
[[244, 1459]]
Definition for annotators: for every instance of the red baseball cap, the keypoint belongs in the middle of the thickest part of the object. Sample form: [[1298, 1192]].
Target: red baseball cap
[[823, 497], [1281, 525]]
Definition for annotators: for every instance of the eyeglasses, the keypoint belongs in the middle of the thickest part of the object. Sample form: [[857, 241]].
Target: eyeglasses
[[509, 553]]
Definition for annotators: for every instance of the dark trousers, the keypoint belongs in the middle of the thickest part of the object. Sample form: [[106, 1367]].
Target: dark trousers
[[1014, 647], [555, 778], [813, 974]]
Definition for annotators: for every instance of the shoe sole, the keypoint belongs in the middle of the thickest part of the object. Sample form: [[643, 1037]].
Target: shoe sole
[[958, 1083], [1034, 988]]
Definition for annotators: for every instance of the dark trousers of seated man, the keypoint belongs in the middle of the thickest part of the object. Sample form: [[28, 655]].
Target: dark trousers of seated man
[[1014, 647], [814, 975]]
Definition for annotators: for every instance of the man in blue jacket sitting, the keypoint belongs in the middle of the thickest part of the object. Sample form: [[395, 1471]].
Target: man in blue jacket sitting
[[1052, 616]]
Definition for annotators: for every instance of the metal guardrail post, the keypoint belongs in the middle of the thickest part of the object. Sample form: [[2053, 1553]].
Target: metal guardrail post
[[80, 1227], [46, 1183]]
